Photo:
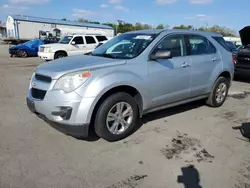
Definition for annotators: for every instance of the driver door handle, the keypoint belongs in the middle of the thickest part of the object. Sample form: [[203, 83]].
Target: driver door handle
[[184, 65], [214, 59]]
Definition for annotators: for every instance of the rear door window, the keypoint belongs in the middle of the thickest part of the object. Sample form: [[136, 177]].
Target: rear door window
[[78, 40], [90, 40], [222, 42], [101, 38], [199, 45]]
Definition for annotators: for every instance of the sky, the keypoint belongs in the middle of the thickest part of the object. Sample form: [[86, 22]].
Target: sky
[[199, 13]]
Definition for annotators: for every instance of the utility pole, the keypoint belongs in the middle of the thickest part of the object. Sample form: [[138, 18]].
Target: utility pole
[[206, 26]]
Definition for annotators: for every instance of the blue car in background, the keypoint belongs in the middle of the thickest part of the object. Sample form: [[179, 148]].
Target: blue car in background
[[29, 48]]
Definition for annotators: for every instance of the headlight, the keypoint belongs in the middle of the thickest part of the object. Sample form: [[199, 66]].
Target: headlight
[[47, 49], [72, 81], [31, 79]]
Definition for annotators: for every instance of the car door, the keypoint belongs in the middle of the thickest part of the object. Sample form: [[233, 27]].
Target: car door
[[204, 59], [37, 45], [77, 46], [34, 47], [169, 79], [91, 43]]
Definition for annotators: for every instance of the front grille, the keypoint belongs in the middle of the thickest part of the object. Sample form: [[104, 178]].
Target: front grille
[[41, 49], [13, 52], [43, 78], [38, 94]]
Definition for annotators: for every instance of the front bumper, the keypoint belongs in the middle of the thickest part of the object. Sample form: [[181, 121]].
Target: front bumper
[[46, 55], [14, 52], [69, 111]]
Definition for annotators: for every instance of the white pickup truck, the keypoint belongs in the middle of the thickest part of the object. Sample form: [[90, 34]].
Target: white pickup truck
[[70, 45]]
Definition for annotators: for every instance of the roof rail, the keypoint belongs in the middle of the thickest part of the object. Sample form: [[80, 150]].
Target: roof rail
[[87, 34]]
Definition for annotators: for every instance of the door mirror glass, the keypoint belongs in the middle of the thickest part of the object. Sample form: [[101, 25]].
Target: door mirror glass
[[73, 42], [161, 54]]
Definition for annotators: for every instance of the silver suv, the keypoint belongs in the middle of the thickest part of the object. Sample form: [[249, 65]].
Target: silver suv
[[131, 75]]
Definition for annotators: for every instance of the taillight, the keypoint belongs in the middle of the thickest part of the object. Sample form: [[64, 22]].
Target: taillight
[[234, 59]]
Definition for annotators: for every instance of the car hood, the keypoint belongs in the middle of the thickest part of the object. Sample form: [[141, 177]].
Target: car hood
[[245, 35], [55, 45], [59, 67], [19, 46]]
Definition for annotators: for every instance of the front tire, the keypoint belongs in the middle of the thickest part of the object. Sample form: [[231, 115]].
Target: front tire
[[219, 92], [59, 55], [116, 117], [22, 53]]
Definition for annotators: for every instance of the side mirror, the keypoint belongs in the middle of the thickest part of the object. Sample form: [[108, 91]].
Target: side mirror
[[161, 54], [73, 42]]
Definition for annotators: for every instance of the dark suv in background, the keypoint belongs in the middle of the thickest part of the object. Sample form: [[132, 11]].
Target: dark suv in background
[[242, 65]]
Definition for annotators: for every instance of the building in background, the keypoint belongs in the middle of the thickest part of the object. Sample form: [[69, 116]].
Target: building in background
[[3, 33], [30, 27]]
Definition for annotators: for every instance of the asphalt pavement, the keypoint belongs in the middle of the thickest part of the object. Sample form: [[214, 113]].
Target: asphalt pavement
[[191, 145]]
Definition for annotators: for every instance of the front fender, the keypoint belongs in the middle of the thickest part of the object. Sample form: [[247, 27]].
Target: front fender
[[100, 85], [54, 50]]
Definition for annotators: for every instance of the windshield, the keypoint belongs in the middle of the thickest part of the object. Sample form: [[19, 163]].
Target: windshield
[[231, 45], [65, 40], [125, 46]]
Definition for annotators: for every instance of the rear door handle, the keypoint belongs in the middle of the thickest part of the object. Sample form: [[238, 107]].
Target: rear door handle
[[184, 65], [214, 59]]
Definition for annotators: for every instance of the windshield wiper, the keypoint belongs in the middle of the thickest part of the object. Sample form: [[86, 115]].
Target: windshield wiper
[[104, 55]]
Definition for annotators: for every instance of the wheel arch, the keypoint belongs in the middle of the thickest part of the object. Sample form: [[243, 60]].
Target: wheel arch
[[224, 73], [122, 88], [24, 50], [60, 51]]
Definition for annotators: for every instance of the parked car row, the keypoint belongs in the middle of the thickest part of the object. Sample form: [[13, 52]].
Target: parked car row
[[29, 48], [49, 49], [131, 75], [242, 66], [70, 45]]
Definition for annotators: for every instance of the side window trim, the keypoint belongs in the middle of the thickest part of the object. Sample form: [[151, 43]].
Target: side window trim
[[201, 36], [182, 35], [84, 40], [96, 41], [71, 40]]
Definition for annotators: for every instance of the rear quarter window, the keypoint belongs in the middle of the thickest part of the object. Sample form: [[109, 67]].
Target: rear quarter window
[[101, 38], [90, 40], [222, 42]]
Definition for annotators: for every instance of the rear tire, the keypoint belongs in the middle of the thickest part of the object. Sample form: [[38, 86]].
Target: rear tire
[[219, 93], [116, 117], [59, 55]]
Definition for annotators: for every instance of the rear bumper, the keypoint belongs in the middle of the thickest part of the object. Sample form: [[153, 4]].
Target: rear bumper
[[238, 70], [46, 56]]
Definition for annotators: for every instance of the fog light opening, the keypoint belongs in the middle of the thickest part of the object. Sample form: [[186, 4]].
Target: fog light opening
[[64, 113]]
